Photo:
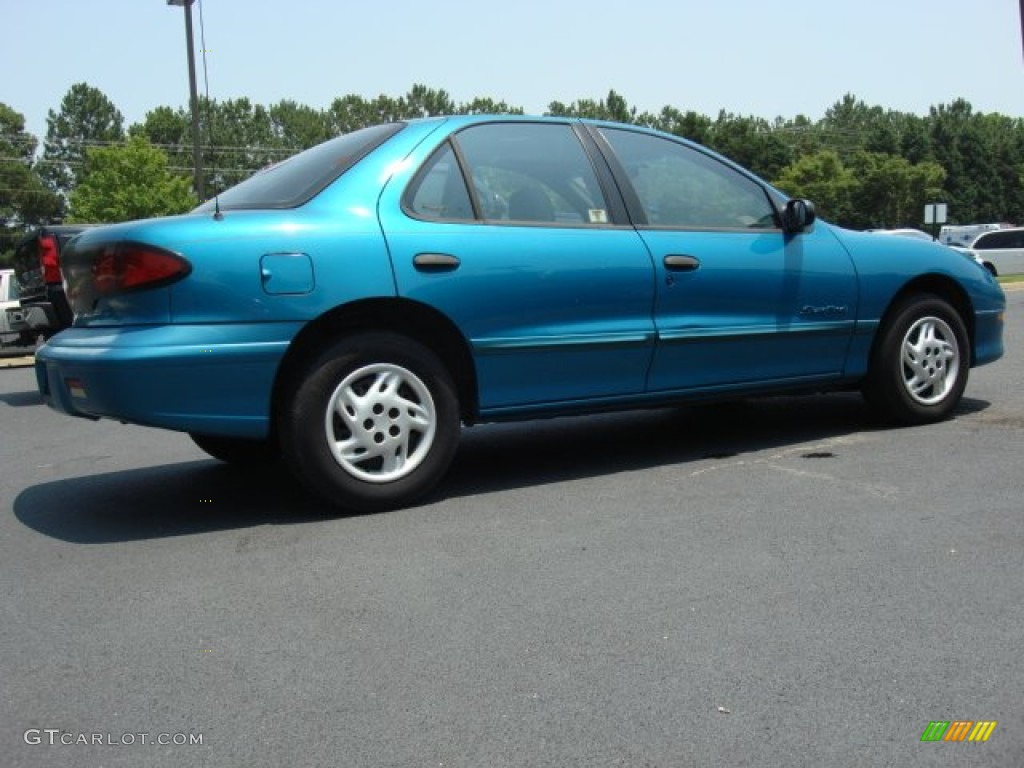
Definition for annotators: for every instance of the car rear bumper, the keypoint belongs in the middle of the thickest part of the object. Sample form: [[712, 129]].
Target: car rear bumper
[[214, 379]]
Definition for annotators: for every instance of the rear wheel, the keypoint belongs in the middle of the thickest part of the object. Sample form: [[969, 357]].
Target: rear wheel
[[236, 450], [372, 424], [919, 367]]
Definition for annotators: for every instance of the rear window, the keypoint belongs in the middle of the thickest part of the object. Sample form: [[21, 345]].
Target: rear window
[[296, 180]]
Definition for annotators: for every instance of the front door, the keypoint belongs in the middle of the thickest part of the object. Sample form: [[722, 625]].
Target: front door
[[737, 300]]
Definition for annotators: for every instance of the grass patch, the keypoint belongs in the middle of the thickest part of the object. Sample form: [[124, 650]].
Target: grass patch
[[1011, 279]]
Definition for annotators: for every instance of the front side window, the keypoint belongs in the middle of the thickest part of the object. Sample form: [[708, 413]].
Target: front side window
[[679, 186], [531, 173]]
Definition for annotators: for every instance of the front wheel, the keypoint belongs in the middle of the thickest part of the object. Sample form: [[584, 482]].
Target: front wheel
[[919, 367], [372, 424]]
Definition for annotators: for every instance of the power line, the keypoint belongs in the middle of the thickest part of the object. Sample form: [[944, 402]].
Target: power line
[[78, 142], [254, 148]]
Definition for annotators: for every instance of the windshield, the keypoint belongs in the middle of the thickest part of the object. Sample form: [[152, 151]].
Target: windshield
[[296, 180]]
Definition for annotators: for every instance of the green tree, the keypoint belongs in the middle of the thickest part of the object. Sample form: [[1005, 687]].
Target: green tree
[[850, 122], [129, 181], [87, 118], [170, 130], [296, 126], [612, 107], [165, 127], [352, 112], [237, 141], [750, 142], [892, 192], [689, 125], [800, 134], [486, 106], [915, 143], [24, 200], [822, 178], [422, 101], [883, 160], [1003, 141]]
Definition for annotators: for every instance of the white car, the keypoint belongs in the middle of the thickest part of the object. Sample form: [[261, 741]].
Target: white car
[[9, 300], [905, 232], [917, 234], [1001, 250], [968, 252]]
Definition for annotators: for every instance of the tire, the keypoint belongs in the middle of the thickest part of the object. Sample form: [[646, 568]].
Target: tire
[[372, 424], [236, 450], [918, 369]]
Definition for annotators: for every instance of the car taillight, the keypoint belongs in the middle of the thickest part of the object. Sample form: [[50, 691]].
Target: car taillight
[[130, 266], [48, 258]]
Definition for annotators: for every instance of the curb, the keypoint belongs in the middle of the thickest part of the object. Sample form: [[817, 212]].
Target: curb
[[17, 362]]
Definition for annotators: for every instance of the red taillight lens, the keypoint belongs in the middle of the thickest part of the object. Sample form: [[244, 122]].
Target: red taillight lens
[[128, 266], [48, 259]]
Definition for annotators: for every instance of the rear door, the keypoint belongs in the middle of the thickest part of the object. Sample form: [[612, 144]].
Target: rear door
[[508, 230]]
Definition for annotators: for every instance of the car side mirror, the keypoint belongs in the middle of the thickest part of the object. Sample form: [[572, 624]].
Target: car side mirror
[[798, 216]]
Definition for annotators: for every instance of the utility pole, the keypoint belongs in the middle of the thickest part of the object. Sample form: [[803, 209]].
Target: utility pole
[[197, 157]]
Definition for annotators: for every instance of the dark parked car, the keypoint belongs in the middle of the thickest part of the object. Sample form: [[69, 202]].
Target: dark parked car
[[44, 309], [352, 306]]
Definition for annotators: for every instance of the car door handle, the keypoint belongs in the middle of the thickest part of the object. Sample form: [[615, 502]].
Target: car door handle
[[435, 262], [678, 262]]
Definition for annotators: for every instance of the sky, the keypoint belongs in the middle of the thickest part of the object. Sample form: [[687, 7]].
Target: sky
[[751, 57]]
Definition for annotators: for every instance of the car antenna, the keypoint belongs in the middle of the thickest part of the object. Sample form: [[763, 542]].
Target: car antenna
[[217, 215]]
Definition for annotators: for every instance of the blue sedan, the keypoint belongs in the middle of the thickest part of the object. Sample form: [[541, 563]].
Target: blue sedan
[[349, 309]]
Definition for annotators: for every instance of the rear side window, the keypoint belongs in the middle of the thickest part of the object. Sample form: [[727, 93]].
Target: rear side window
[[439, 191], [299, 178], [532, 173], [517, 173]]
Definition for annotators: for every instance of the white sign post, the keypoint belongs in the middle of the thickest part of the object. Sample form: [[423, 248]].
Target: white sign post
[[935, 214]]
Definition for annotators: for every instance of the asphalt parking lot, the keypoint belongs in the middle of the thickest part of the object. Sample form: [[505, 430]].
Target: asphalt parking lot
[[770, 583]]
